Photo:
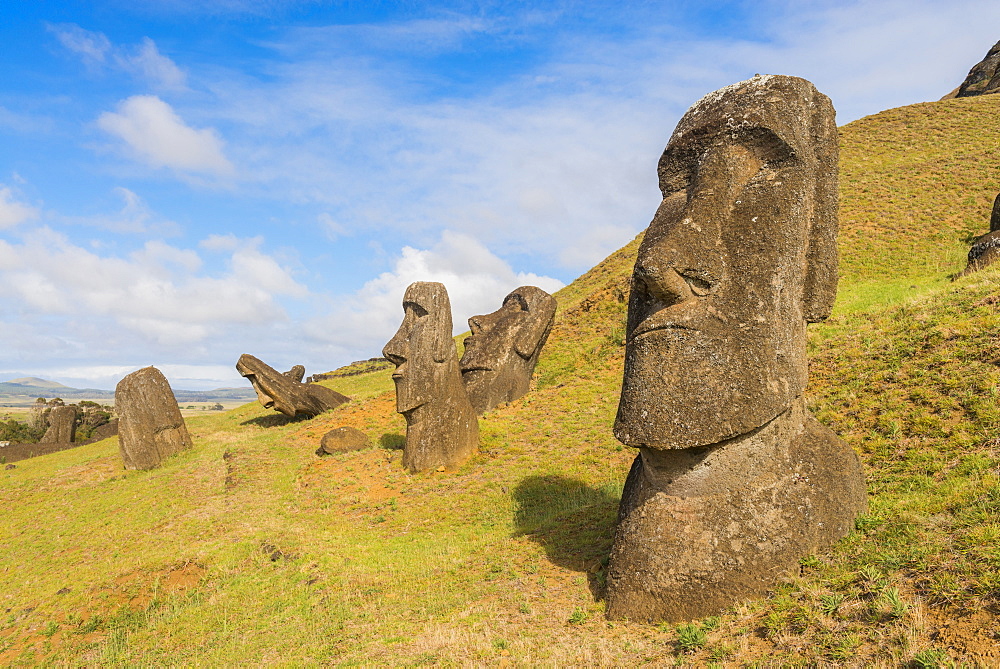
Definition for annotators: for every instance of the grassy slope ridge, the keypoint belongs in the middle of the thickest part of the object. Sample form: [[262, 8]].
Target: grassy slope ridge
[[249, 548]]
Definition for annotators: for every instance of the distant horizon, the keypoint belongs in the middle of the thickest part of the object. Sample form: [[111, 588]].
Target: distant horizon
[[183, 182], [4, 379]]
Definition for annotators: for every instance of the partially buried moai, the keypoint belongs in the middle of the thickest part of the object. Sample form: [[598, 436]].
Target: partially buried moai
[[441, 425], [150, 425], [62, 426], [503, 349], [284, 391], [735, 480]]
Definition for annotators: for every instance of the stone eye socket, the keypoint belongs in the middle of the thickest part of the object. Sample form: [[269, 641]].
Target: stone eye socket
[[517, 301], [416, 309], [701, 282]]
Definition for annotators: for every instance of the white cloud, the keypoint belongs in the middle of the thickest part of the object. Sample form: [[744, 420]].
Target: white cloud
[[143, 60], [146, 61], [331, 226], [158, 292], [13, 212], [476, 279], [92, 47], [159, 137]]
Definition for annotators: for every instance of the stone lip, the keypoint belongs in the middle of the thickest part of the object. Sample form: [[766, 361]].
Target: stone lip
[[150, 425], [284, 392], [503, 349]]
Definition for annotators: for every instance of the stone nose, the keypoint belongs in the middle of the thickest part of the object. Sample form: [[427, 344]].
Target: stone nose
[[396, 350]]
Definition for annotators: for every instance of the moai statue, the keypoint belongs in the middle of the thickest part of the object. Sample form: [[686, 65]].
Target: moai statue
[[150, 425], [986, 249], [441, 425], [503, 349], [62, 426], [735, 480], [285, 392]]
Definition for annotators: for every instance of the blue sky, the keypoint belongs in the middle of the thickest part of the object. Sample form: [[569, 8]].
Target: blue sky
[[180, 184]]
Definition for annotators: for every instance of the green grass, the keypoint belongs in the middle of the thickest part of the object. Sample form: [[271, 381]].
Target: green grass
[[248, 549]]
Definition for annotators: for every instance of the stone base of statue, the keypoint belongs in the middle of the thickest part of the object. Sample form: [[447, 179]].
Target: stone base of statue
[[700, 529]]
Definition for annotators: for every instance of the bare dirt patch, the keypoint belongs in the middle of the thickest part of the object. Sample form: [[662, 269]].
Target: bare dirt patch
[[973, 635]]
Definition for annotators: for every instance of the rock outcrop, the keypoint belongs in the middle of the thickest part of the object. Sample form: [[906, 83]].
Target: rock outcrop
[[735, 480], [150, 425], [984, 77], [441, 426]]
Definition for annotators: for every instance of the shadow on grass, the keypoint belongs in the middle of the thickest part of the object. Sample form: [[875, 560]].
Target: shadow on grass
[[275, 420], [393, 441], [573, 522]]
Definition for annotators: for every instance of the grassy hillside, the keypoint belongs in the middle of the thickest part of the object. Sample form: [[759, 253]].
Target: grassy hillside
[[250, 549]]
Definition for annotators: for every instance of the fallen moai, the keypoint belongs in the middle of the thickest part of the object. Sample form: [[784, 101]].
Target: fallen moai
[[284, 392], [503, 349], [150, 425], [735, 480], [441, 426]]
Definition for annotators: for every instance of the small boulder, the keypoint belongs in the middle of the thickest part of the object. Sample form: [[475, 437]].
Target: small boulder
[[343, 440]]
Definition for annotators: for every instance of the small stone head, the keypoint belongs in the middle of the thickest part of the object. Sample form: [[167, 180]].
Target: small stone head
[[739, 256], [501, 353], [422, 345]]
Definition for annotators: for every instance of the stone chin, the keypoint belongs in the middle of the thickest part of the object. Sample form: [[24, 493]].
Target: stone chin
[[699, 405]]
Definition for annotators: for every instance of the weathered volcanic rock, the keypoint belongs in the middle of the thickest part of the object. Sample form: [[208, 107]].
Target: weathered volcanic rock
[[984, 77], [284, 392], [986, 249], [703, 528], [983, 253], [105, 431], [503, 349], [735, 480], [62, 426], [343, 440], [441, 425], [150, 425]]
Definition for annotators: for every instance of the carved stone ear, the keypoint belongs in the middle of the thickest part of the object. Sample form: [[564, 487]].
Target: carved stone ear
[[533, 336], [820, 285], [445, 345]]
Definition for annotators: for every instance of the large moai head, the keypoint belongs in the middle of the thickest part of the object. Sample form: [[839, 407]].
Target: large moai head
[[284, 392], [441, 425], [503, 349], [740, 255]]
